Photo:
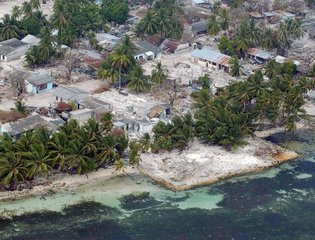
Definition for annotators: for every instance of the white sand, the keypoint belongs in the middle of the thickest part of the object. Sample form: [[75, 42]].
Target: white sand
[[203, 164]]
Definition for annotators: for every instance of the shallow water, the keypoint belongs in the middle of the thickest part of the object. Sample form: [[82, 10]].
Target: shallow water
[[276, 204]]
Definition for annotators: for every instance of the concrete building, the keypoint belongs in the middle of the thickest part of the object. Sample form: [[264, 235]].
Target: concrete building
[[146, 51], [70, 95], [39, 82], [12, 49], [27, 124], [210, 58], [80, 115], [199, 28]]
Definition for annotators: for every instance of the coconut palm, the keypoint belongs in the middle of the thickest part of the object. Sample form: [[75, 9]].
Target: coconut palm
[[159, 74], [27, 9], [138, 81], [121, 58], [149, 23], [107, 71], [12, 170], [16, 12], [213, 24], [45, 48], [8, 28], [235, 67], [224, 18], [164, 22], [106, 152], [38, 160], [35, 4], [145, 142], [60, 18]]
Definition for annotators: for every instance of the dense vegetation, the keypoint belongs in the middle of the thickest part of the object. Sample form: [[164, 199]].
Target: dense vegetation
[[246, 33], [162, 19], [71, 149]]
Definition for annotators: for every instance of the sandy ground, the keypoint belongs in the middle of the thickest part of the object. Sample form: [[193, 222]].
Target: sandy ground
[[68, 183], [204, 164], [6, 6]]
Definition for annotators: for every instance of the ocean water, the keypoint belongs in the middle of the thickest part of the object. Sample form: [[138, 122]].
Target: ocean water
[[276, 204]]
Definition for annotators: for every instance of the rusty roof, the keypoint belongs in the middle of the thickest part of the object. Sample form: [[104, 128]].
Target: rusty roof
[[155, 111]]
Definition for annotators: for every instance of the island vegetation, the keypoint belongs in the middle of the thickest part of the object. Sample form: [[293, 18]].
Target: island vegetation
[[226, 116]]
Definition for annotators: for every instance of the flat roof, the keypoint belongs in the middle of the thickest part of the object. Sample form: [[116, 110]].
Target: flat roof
[[211, 56], [70, 93], [199, 1], [281, 60]]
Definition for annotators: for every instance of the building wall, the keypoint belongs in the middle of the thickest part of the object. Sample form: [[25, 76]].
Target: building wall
[[81, 118], [30, 88]]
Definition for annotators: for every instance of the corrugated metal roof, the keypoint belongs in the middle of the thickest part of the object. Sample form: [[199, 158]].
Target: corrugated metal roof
[[259, 53], [199, 26], [211, 56]]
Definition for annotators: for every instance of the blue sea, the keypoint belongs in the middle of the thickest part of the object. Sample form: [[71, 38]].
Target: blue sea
[[276, 204]]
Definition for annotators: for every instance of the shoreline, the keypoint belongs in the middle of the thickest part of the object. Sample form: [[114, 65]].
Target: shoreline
[[202, 165], [71, 182], [65, 183]]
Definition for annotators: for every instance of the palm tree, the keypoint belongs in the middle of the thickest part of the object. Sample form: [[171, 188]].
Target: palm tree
[[127, 44], [38, 160], [35, 4], [145, 142], [224, 18], [213, 25], [45, 48], [20, 105], [107, 71], [106, 152], [272, 69], [139, 82], [16, 12], [60, 18], [164, 22], [121, 59], [12, 170], [268, 39], [149, 23], [235, 66], [159, 74], [8, 28], [27, 9], [59, 149]]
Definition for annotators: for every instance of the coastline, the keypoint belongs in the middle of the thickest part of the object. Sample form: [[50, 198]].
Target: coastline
[[201, 165], [168, 178], [66, 183]]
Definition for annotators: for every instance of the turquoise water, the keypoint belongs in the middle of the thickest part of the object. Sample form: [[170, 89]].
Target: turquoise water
[[276, 204]]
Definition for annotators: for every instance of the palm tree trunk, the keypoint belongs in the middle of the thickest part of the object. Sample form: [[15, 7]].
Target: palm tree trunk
[[119, 80]]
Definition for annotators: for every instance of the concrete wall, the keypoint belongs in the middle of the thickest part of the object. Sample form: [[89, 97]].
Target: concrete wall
[[30, 88]]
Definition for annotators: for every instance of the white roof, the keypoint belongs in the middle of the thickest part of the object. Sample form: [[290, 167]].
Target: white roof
[[281, 60], [149, 53], [199, 1], [30, 39]]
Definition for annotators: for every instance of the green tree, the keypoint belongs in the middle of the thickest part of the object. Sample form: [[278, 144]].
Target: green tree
[[138, 81], [159, 74], [235, 66], [213, 25]]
